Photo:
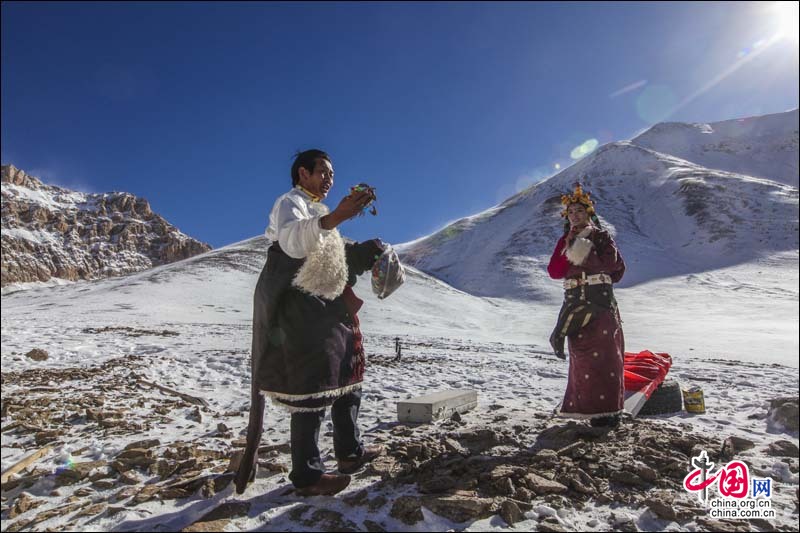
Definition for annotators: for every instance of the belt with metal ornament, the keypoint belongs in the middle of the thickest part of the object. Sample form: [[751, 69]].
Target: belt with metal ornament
[[594, 279]]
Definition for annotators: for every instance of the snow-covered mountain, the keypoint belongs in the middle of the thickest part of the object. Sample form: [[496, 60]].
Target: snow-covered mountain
[[669, 216], [763, 147], [51, 232]]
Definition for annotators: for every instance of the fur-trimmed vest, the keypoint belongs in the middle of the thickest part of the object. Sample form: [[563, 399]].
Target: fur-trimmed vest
[[306, 349], [305, 323]]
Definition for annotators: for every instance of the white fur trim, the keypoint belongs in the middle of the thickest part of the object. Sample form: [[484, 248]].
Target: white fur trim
[[276, 398], [324, 394], [580, 249], [324, 272], [290, 409]]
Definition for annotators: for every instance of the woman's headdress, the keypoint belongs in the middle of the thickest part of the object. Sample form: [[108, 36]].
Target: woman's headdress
[[577, 197]]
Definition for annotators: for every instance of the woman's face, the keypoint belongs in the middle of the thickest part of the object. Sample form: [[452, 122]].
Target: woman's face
[[577, 215]]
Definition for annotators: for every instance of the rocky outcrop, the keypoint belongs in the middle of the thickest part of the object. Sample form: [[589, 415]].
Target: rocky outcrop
[[51, 232]]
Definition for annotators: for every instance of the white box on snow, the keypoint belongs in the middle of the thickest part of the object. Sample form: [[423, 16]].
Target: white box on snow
[[430, 407]]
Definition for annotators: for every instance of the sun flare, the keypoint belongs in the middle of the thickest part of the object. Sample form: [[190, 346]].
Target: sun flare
[[787, 15]]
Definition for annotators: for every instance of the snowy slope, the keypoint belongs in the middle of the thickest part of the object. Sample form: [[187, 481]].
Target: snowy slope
[[669, 217], [216, 288], [186, 326], [763, 146]]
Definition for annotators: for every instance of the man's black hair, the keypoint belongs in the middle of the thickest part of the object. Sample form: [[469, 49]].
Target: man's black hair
[[308, 160]]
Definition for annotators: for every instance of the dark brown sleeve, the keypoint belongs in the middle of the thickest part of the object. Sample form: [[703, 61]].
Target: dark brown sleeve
[[605, 257], [361, 257]]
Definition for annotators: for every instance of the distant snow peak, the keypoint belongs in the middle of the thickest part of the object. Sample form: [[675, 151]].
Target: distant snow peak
[[675, 198], [764, 146], [52, 232]]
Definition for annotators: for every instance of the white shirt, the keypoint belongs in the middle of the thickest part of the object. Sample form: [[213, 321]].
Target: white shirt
[[294, 223]]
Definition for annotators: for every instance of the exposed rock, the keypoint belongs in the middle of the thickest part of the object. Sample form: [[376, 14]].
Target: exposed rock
[[226, 510], [92, 510], [782, 448], [502, 471], [103, 484], [222, 481], [19, 525], [143, 444], [459, 507], [329, 520], [273, 466], [123, 494], [297, 512], [24, 503], [437, 485], [62, 510], [129, 478], [43, 437], [136, 457], [622, 521], [146, 494], [83, 492], [541, 485], [77, 472], [646, 473], [734, 445], [373, 527], [510, 512], [407, 509], [551, 526], [627, 478], [377, 502], [210, 526], [453, 446], [578, 485], [546, 457], [284, 448], [723, 525], [479, 440], [523, 494], [661, 509], [55, 232], [784, 413], [385, 466], [504, 486], [357, 499], [195, 415], [37, 355]]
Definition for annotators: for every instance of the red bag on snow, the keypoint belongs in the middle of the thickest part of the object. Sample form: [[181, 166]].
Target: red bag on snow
[[645, 371]]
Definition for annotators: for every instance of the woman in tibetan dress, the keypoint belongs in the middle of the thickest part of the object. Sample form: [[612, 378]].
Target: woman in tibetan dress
[[589, 262]]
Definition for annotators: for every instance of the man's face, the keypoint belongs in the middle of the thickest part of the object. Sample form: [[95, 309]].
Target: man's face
[[320, 181], [577, 215]]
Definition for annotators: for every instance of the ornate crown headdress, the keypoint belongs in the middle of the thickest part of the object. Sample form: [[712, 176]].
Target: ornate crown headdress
[[577, 197]]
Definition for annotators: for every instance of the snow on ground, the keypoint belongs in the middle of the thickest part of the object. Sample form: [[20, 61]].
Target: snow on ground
[[186, 326]]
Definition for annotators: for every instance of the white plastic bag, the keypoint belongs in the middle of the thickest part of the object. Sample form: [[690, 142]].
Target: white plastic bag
[[387, 273]]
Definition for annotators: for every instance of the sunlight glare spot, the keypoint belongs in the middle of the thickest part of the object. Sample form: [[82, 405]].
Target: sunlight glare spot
[[786, 18], [584, 149]]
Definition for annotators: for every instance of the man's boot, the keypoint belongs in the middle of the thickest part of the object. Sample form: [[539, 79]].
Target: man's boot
[[328, 485], [350, 466]]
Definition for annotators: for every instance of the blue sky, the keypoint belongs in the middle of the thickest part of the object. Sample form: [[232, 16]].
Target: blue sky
[[447, 108]]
